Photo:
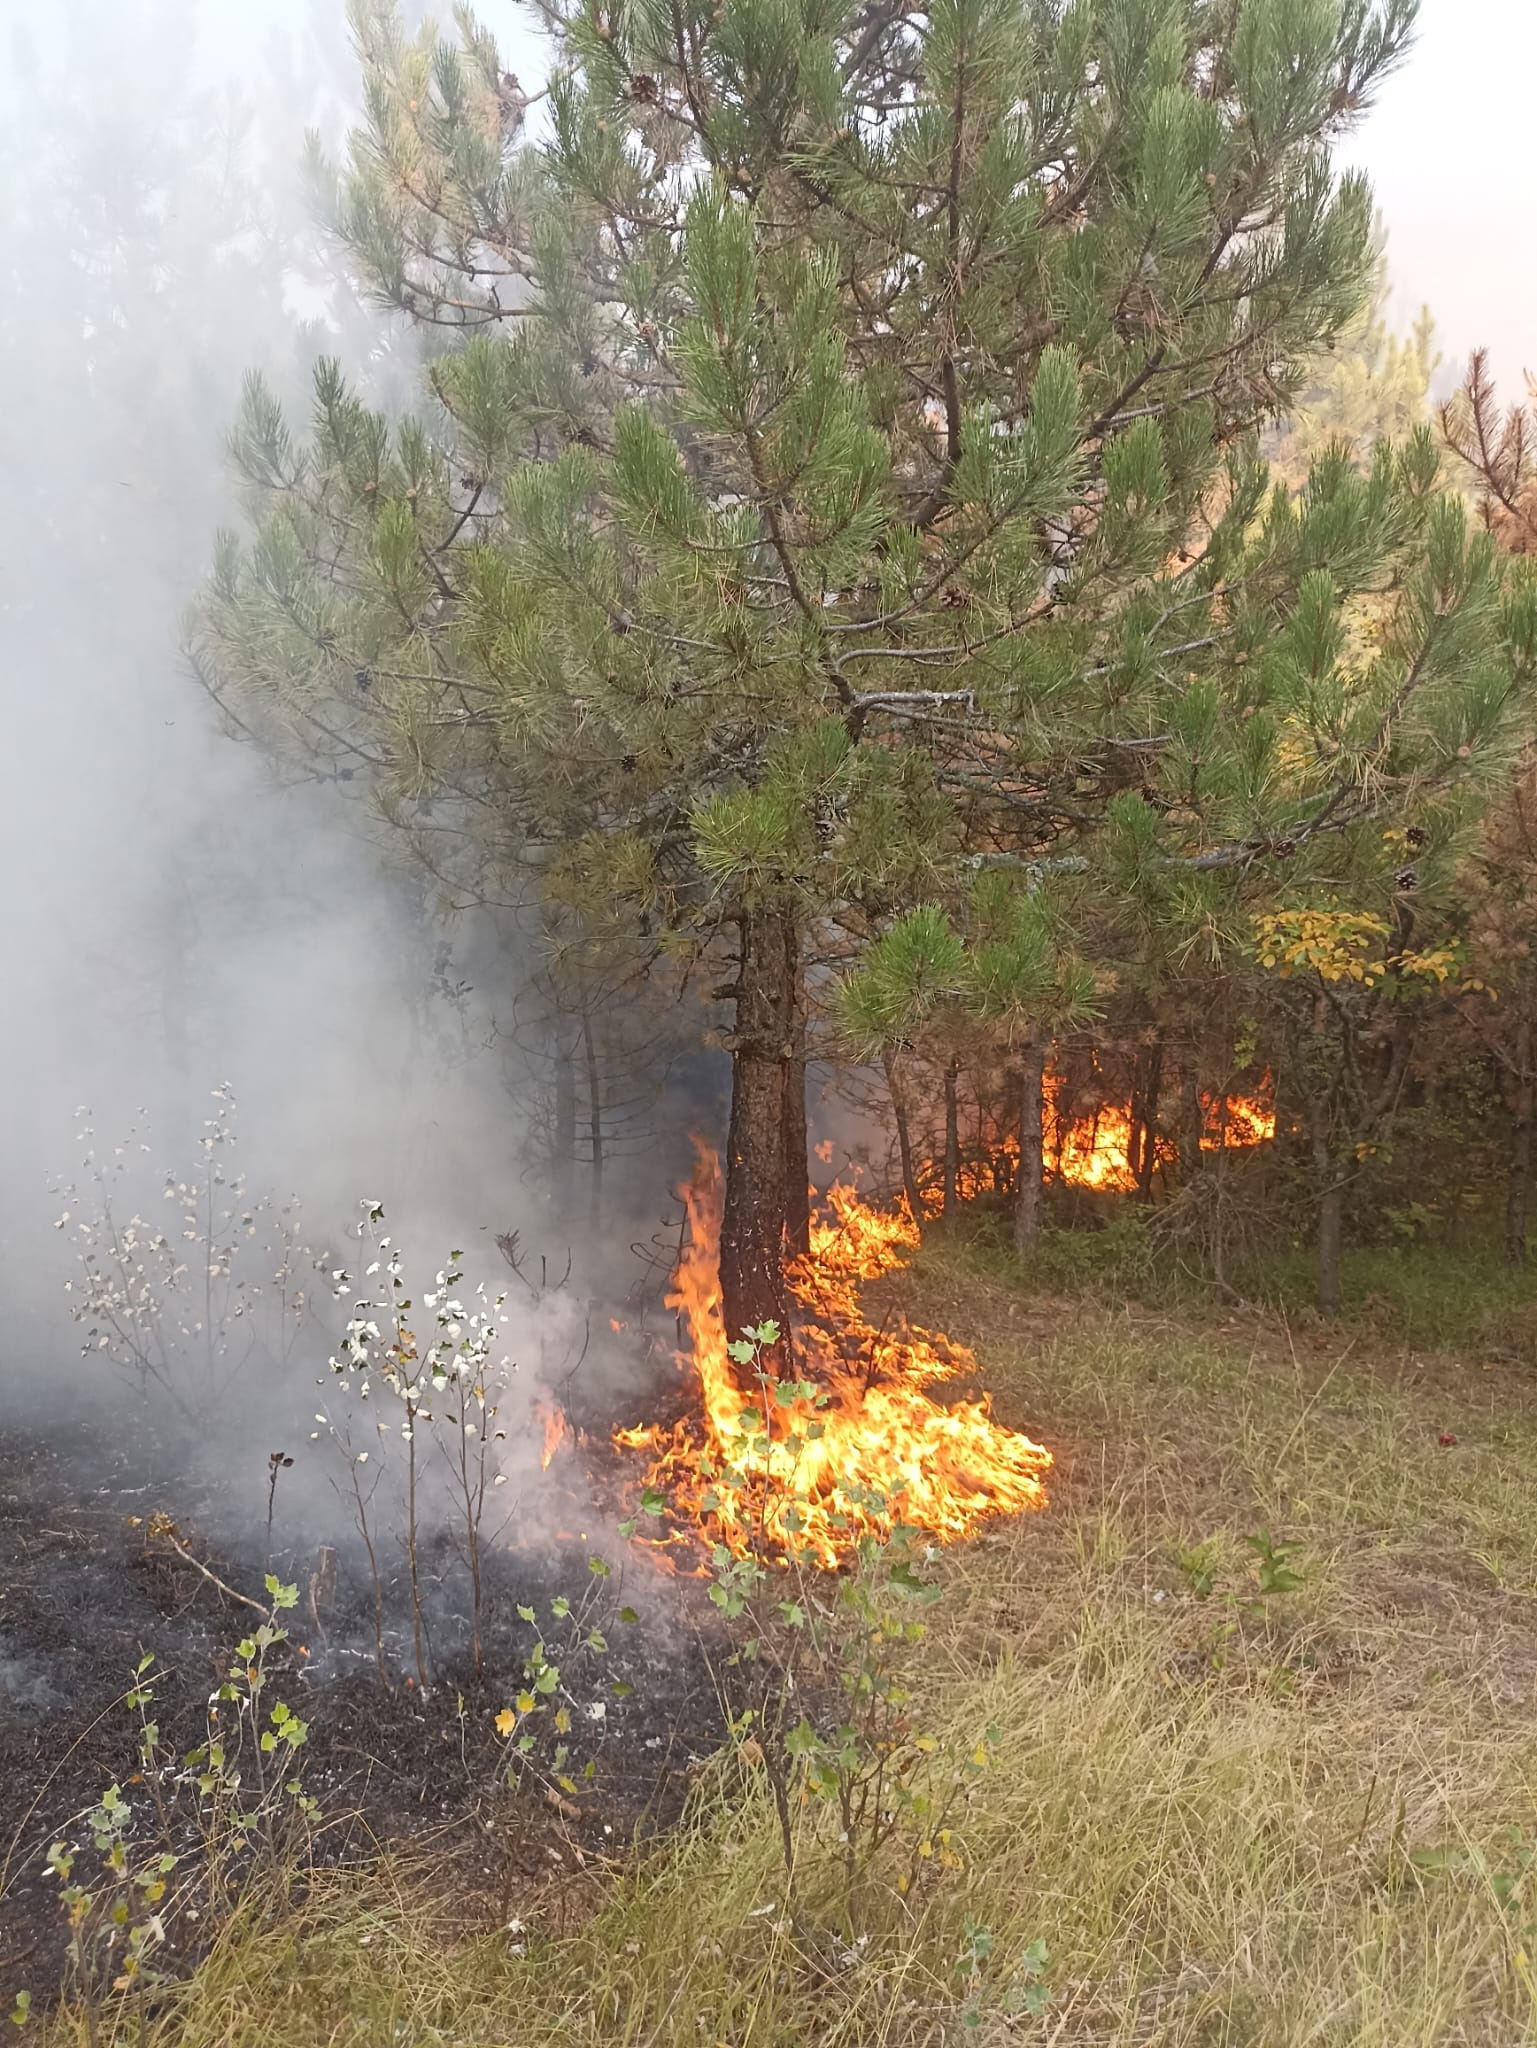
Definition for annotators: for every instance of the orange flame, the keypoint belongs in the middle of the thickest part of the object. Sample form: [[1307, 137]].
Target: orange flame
[[1092, 1151], [554, 1433], [1095, 1150], [1233, 1123], [814, 1477]]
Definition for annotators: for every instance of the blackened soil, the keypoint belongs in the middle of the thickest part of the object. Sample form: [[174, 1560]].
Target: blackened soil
[[86, 1591]]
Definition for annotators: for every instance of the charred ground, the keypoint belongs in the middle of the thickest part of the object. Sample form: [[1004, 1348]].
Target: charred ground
[[88, 1590]]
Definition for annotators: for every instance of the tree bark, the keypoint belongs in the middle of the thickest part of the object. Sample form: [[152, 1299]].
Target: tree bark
[[752, 1238], [797, 1170], [565, 1130], [1192, 1122], [1331, 1217], [952, 1136], [898, 1094], [1027, 1192], [1518, 1184], [1147, 1122], [594, 1124]]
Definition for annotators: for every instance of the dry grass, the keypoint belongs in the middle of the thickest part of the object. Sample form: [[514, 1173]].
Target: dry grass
[[1301, 1825]]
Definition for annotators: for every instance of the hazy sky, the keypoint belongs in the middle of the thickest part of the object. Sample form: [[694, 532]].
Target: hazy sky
[[1451, 151]]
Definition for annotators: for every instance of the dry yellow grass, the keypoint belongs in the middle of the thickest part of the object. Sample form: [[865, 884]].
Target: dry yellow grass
[[1304, 1826]]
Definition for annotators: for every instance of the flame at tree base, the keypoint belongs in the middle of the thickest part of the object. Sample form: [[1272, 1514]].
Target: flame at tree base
[[814, 1477]]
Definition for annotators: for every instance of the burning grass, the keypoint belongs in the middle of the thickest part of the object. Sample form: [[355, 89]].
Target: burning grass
[[866, 1443], [815, 1474], [1232, 1816]]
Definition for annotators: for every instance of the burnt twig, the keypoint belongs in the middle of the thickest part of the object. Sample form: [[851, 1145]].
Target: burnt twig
[[163, 1530]]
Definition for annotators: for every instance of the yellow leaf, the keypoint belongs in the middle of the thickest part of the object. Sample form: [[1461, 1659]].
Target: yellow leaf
[[506, 1721], [525, 1703]]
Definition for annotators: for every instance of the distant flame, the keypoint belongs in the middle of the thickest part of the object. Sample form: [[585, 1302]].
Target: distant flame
[[878, 1449], [1234, 1122], [1095, 1150], [554, 1433]]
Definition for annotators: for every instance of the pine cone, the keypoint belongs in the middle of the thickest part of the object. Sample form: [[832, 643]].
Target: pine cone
[[644, 88], [512, 102]]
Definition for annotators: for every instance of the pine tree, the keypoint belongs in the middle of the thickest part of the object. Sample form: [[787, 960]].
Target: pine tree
[[839, 504], [1495, 451]]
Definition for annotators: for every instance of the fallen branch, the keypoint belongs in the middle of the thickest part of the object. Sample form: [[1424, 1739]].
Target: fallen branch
[[163, 1530]]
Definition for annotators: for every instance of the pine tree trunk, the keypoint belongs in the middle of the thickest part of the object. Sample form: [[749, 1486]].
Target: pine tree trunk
[[1027, 1192], [1220, 1166], [1331, 1219], [952, 1136], [898, 1094], [594, 1124], [797, 1171], [565, 1130], [1147, 1120], [1192, 1122], [1519, 1181], [752, 1238]]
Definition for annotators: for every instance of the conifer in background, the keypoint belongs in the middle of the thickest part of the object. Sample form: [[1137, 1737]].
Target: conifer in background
[[1372, 385], [1494, 450], [835, 502]]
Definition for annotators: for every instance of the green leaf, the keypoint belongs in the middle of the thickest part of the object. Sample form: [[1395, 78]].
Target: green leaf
[[903, 1576]]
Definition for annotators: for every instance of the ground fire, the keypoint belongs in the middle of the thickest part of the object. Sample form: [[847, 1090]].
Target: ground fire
[[1098, 1149], [813, 1476], [873, 1448]]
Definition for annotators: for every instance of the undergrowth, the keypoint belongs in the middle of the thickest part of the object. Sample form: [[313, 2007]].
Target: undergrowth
[[1259, 1690], [1425, 1290]]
